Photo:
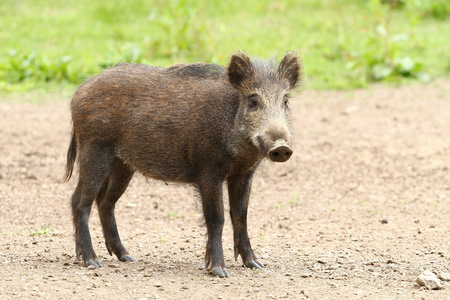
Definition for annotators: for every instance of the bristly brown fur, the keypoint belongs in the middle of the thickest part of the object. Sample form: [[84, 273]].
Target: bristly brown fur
[[200, 124]]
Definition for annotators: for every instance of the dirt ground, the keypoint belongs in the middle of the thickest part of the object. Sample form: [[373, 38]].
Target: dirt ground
[[359, 211]]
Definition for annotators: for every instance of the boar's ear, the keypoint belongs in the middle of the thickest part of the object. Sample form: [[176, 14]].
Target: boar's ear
[[290, 69], [239, 69]]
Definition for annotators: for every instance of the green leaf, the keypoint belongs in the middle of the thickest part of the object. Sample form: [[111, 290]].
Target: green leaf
[[381, 30], [406, 64], [381, 71]]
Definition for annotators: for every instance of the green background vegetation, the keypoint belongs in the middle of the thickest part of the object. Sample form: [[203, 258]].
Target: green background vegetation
[[47, 44]]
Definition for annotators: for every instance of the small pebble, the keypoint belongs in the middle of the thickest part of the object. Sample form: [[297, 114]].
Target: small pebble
[[390, 261], [444, 276], [429, 280], [350, 109], [53, 259], [158, 284]]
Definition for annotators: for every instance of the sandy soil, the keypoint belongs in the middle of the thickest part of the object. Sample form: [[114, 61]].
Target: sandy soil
[[359, 211]]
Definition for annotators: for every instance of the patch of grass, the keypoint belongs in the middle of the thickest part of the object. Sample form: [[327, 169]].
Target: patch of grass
[[402, 202], [41, 231], [33, 67], [294, 200], [130, 53], [374, 213], [344, 44], [438, 9], [386, 52], [391, 63], [177, 32], [361, 202], [174, 215]]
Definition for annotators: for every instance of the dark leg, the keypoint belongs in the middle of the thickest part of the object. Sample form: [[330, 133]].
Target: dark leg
[[94, 165], [239, 193], [112, 189], [212, 202]]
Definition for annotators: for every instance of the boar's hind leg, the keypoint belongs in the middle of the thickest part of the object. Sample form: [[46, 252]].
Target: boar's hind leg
[[239, 192], [113, 187], [212, 203], [94, 166]]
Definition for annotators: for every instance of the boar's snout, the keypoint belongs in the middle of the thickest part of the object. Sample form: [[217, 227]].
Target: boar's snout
[[280, 152], [275, 144]]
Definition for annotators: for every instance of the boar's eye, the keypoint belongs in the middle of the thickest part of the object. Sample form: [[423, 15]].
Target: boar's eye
[[286, 99], [253, 101]]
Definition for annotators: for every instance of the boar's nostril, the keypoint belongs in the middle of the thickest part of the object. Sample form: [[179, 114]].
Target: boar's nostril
[[280, 153]]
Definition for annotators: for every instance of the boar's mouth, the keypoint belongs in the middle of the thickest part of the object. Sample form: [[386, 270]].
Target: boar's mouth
[[276, 151]]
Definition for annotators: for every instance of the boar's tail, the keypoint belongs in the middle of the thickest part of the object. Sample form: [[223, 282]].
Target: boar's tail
[[71, 157]]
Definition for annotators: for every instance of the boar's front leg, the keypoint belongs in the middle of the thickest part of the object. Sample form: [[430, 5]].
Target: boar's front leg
[[212, 202], [239, 187]]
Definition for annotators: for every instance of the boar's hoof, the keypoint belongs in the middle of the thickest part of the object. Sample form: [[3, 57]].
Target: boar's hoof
[[220, 272], [96, 263], [128, 258], [254, 264], [280, 153]]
